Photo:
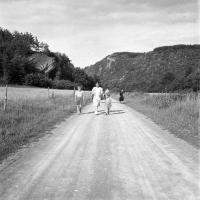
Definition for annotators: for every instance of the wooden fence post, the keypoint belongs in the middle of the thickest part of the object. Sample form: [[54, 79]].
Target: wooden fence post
[[54, 100], [52, 95], [48, 93], [73, 98], [6, 98]]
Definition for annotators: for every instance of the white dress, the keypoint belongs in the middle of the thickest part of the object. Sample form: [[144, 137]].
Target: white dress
[[97, 92]]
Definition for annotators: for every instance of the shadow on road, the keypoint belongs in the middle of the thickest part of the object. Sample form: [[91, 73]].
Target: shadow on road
[[101, 112], [112, 112], [115, 112], [83, 113]]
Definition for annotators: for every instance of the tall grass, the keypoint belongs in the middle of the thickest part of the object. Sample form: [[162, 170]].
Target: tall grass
[[23, 92], [28, 118], [179, 113]]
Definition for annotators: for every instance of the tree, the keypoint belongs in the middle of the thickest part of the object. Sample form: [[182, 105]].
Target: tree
[[6, 68], [16, 65], [17, 73], [167, 80], [80, 77]]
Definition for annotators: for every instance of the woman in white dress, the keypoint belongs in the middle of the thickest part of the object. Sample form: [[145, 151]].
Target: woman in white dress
[[97, 93]]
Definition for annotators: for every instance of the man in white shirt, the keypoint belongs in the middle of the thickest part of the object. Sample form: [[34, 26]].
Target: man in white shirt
[[97, 93]]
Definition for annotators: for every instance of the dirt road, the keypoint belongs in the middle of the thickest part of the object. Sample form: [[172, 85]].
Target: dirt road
[[123, 156]]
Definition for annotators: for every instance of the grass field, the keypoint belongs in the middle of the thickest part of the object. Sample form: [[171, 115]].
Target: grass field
[[31, 93], [178, 113], [29, 113]]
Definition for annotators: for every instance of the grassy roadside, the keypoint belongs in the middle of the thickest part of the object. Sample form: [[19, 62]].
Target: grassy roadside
[[177, 113], [27, 119]]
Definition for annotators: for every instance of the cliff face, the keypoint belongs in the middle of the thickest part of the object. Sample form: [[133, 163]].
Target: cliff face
[[43, 62], [163, 69]]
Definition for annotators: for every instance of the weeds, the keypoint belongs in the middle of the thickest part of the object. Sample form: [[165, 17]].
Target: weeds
[[27, 118], [178, 113]]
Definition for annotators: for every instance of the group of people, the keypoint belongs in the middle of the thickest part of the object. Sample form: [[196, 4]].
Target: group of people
[[97, 95]]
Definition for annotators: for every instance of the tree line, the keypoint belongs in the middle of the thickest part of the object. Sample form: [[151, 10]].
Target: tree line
[[17, 67], [165, 69]]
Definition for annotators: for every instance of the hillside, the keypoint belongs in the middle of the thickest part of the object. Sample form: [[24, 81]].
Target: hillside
[[26, 61], [42, 62], [168, 68]]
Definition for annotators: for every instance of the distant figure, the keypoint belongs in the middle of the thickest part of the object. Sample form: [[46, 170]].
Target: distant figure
[[97, 93], [79, 99], [108, 101], [121, 96]]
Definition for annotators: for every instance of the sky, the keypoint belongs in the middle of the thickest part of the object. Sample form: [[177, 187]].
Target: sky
[[88, 30]]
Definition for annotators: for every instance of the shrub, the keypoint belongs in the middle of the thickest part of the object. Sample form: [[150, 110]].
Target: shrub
[[63, 84], [38, 80], [2, 81]]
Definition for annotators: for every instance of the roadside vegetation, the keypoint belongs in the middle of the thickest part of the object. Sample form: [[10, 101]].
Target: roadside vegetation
[[24, 60], [178, 113], [30, 113]]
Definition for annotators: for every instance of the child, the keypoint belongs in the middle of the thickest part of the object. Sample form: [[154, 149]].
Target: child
[[79, 99], [108, 102]]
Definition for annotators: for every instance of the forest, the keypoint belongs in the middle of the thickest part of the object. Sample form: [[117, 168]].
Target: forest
[[24, 60], [165, 69]]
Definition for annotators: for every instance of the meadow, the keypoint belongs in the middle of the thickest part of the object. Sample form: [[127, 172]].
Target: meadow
[[15, 93], [178, 113], [31, 111]]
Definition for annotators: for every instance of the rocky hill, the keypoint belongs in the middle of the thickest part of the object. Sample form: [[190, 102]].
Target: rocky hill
[[168, 68], [42, 62], [24, 60]]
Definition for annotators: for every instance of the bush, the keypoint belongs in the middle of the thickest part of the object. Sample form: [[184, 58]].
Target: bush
[[2, 81], [38, 80], [63, 84]]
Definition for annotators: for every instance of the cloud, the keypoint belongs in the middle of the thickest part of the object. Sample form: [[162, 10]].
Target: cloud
[[89, 29]]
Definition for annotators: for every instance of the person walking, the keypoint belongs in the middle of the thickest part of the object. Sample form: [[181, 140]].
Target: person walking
[[79, 98], [108, 101], [121, 96], [97, 93]]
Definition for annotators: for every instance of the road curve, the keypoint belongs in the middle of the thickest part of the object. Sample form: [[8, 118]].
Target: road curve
[[123, 156]]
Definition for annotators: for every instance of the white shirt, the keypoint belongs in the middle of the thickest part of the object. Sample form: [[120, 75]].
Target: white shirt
[[79, 94], [97, 92]]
